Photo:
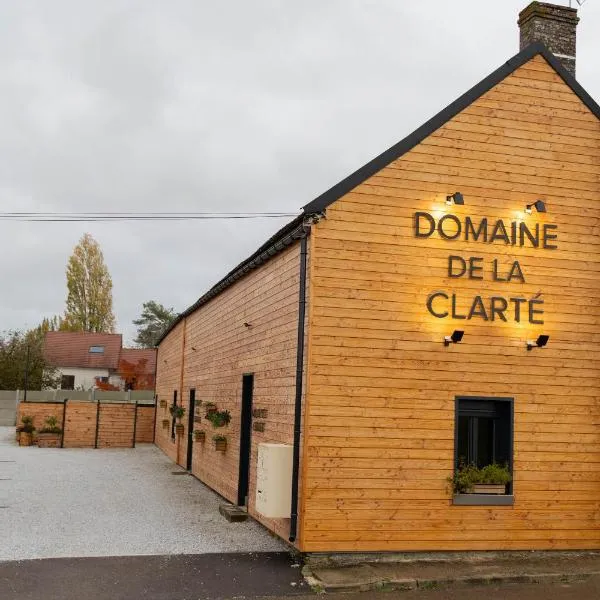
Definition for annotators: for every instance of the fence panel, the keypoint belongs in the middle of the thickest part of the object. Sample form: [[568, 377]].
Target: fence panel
[[90, 424], [116, 425], [80, 424]]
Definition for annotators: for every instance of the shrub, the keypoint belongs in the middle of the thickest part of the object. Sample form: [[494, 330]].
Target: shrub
[[219, 418], [27, 426], [466, 476], [51, 425]]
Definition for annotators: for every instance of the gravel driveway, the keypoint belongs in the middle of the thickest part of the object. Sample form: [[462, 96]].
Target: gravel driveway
[[114, 502]]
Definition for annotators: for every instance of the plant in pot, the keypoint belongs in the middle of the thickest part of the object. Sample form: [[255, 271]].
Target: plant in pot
[[165, 423], [163, 403], [219, 418], [26, 431], [199, 436], [178, 413], [220, 443], [49, 436], [491, 479]]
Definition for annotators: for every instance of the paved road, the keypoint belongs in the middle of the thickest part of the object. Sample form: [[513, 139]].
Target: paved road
[[206, 576], [223, 576], [110, 502]]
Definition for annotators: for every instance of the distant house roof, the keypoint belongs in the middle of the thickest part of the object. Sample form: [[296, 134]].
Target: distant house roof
[[82, 349], [135, 355]]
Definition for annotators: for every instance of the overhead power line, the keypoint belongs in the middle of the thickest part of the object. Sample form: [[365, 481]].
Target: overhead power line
[[54, 217]]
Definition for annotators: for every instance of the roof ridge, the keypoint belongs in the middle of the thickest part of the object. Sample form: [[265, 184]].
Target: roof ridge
[[294, 229], [320, 203]]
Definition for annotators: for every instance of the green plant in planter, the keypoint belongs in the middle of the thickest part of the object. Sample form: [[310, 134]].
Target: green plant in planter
[[467, 476], [210, 408], [27, 424], [26, 431], [219, 418], [177, 411], [51, 425]]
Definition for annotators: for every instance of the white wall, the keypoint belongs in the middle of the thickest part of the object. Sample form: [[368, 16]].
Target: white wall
[[85, 378]]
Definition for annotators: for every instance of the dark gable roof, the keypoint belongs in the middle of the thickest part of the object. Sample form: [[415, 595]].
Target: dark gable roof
[[320, 203], [294, 230]]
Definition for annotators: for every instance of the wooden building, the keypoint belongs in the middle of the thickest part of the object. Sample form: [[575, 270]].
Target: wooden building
[[442, 303]]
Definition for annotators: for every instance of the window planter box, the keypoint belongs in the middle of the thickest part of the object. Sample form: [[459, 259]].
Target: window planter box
[[165, 423], [489, 488], [483, 500]]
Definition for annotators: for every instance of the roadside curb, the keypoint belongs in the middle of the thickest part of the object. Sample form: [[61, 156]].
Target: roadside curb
[[370, 582]]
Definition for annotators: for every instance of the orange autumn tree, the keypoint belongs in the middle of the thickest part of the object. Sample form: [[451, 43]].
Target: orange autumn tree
[[133, 376]]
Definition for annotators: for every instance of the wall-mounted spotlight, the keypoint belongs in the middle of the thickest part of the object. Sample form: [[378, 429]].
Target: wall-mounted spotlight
[[455, 338], [456, 198], [539, 343], [539, 205]]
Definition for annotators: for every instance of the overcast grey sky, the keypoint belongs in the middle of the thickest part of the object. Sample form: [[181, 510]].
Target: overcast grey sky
[[190, 105]]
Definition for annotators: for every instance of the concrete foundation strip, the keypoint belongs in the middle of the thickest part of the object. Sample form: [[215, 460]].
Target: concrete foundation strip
[[390, 583]]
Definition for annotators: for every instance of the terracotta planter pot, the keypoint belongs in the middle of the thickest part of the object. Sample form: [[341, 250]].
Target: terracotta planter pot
[[179, 428], [489, 488], [220, 445], [48, 440], [25, 439], [18, 432], [199, 436], [165, 424]]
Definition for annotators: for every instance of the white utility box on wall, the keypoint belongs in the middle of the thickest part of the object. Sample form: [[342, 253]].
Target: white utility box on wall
[[274, 480]]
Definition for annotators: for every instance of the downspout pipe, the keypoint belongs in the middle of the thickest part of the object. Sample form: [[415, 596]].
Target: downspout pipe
[[299, 378]]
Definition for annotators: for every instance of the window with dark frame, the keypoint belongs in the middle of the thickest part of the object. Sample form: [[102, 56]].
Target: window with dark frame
[[67, 382], [484, 432]]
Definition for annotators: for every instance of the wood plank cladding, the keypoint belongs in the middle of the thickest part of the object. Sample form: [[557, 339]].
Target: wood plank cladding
[[168, 380], [379, 434], [249, 328]]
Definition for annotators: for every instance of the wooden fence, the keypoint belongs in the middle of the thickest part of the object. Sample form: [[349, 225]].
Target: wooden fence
[[98, 424]]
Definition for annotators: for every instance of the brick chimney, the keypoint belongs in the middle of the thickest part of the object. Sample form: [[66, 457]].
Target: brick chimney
[[555, 26]]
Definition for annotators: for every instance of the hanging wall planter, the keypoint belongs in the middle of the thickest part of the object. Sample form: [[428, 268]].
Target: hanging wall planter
[[199, 436], [219, 418], [165, 423], [179, 428], [220, 443], [163, 403], [211, 408]]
